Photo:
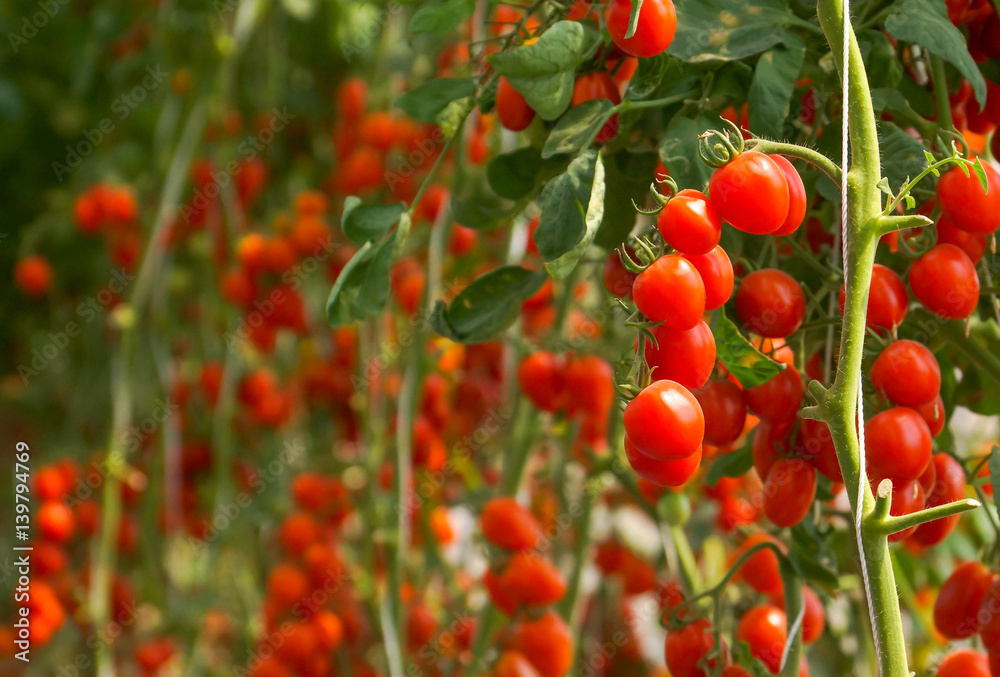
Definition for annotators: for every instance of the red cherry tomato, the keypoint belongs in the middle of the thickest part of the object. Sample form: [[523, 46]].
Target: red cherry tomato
[[761, 571], [685, 648], [764, 629], [716, 272], [541, 377], [686, 356], [724, 409], [655, 27], [973, 244], [513, 111], [618, 279], [778, 399], [933, 414], [796, 197], [907, 373], [989, 619], [906, 498], [751, 193], [509, 525], [670, 291], [964, 663], [665, 421], [770, 303], [770, 442], [949, 485], [789, 491], [598, 85], [887, 299], [945, 281], [966, 204], [898, 445], [956, 609], [547, 643], [689, 222], [815, 444], [662, 473]]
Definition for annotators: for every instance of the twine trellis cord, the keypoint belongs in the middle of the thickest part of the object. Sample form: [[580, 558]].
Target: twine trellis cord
[[860, 416]]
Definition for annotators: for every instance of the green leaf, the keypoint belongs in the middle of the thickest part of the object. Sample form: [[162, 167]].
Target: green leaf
[[876, 49], [902, 155], [477, 214], [572, 207], [812, 556], [734, 464], [679, 150], [633, 18], [772, 87], [627, 177], [487, 306], [750, 366], [576, 130], [544, 71], [362, 288], [994, 465], [428, 100], [714, 30], [926, 23], [438, 17], [361, 222], [516, 174]]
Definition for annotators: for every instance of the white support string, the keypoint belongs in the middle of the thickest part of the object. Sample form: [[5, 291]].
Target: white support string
[[860, 419]]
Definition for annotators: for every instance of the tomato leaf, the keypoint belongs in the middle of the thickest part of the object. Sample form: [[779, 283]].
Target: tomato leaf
[[994, 465], [710, 30], [627, 177], [487, 306], [750, 366], [577, 129], [679, 150], [516, 174], [428, 100], [926, 23], [572, 208], [438, 17], [772, 87], [734, 464], [544, 71], [362, 288], [361, 222], [478, 214]]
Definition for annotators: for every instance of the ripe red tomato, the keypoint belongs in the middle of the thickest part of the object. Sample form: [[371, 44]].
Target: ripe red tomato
[[598, 85], [513, 111], [949, 485], [662, 473], [898, 445], [964, 663], [716, 272], [514, 664], [686, 356], [815, 444], [778, 399], [770, 303], [670, 291], [761, 571], [770, 442], [945, 281], [989, 617], [906, 498], [764, 629], [57, 523], [973, 244], [547, 643], [933, 414], [654, 30], [907, 373], [751, 193], [665, 421], [685, 648], [796, 197], [591, 381], [789, 491], [724, 409], [966, 204], [618, 279], [956, 609], [887, 299], [540, 376], [33, 275], [509, 525], [533, 580], [689, 222]]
